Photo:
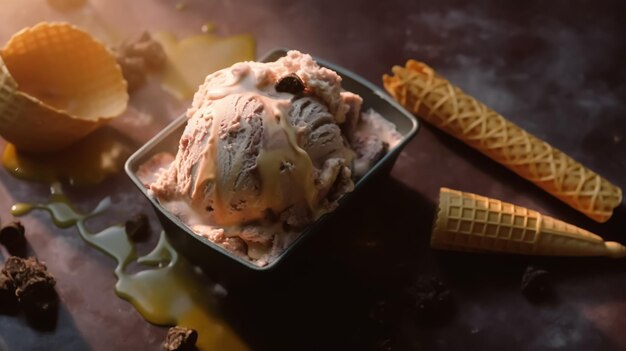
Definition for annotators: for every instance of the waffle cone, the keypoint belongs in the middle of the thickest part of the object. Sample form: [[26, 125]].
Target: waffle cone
[[57, 84], [469, 222], [444, 105]]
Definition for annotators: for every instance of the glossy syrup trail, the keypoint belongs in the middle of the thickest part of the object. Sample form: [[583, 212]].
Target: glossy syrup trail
[[169, 291], [89, 161]]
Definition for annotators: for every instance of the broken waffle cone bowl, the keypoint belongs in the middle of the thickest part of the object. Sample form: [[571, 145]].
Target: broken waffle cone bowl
[[470, 222], [57, 84]]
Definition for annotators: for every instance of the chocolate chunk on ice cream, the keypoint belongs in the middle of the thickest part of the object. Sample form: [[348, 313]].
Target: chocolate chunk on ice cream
[[290, 83], [268, 148]]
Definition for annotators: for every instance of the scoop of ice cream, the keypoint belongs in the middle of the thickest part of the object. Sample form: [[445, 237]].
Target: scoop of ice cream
[[267, 149], [252, 153]]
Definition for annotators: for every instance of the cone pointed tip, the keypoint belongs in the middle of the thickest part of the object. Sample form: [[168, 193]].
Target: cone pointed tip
[[615, 249]]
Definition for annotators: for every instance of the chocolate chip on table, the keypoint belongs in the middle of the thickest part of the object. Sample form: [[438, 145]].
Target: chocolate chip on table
[[431, 298], [27, 273], [137, 58], [290, 83], [138, 227], [133, 70], [34, 287], [150, 50], [12, 237], [180, 339], [383, 313], [535, 283], [384, 344]]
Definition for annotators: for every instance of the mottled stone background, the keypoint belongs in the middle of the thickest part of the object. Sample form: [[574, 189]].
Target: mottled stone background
[[555, 68]]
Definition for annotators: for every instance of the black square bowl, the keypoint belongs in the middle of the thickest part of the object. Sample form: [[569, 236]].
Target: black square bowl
[[220, 263]]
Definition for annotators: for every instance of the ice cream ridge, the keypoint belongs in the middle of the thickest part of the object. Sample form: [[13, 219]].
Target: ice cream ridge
[[427, 94], [268, 148]]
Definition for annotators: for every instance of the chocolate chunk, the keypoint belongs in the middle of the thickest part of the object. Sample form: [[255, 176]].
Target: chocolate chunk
[[133, 70], [180, 339], [431, 298], [41, 307], [138, 228], [290, 83], [150, 50], [381, 313], [535, 283], [8, 301], [384, 344], [137, 58], [27, 273], [34, 286], [12, 237]]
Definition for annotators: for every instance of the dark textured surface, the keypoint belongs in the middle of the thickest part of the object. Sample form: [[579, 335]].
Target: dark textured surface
[[555, 68]]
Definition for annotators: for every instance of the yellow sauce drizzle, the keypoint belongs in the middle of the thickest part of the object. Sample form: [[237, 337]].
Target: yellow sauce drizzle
[[87, 162], [169, 291]]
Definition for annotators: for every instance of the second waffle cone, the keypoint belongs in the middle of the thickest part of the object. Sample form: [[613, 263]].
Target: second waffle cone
[[470, 222], [423, 92]]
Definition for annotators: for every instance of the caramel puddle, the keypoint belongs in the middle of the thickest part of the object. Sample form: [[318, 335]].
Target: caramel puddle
[[89, 161], [169, 291]]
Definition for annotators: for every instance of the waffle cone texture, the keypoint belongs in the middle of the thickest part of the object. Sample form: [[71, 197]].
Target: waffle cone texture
[[57, 84], [470, 222], [426, 94]]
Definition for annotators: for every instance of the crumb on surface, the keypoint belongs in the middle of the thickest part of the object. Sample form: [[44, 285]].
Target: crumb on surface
[[138, 227], [138, 58], [34, 289], [180, 339], [431, 298], [535, 283]]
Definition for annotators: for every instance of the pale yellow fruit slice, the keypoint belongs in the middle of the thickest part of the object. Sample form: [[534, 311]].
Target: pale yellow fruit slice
[[190, 60]]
